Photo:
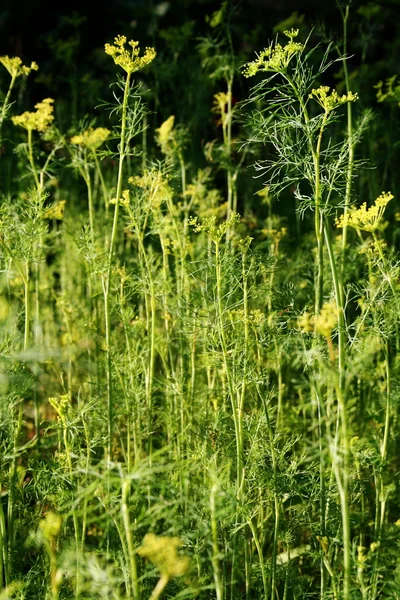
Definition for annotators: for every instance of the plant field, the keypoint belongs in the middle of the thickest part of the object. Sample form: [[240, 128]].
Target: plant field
[[199, 318]]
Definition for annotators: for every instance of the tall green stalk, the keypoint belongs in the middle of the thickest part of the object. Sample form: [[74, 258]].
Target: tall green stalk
[[108, 275]]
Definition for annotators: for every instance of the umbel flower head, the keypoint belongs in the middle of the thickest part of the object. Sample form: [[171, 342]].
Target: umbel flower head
[[15, 67], [129, 60], [329, 100], [91, 138], [39, 120], [155, 184], [366, 219], [323, 323], [390, 90], [275, 58], [162, 551], [165, 136]]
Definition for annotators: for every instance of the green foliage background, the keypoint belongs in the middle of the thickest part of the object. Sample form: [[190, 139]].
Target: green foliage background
[[199, 368]]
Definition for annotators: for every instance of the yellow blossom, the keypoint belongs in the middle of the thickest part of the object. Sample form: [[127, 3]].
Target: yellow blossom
[[391, 92], [254, 317], [165, 135], [327, 319], [50, 526], [162, 551], [366, 219], [220, 106], [155, 184], [39, 120], [15, 67], [276, 235], [305, 322], [323, 323], [329, 100], [129, 60], [60, 404], [56, 211], [275, 58], [91, 138]]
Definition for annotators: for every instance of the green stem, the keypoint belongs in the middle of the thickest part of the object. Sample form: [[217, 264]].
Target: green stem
[[32, 161], [231, 389], [215, 549], [107, 279], [102, 182], [88, 182], [5, 104], [342, 472], [129, 539], [350, 164]]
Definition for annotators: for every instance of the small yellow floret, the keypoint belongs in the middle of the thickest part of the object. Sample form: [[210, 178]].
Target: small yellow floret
[[129, 60]]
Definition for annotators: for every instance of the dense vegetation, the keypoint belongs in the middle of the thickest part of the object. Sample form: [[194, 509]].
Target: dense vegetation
[[199, 319]]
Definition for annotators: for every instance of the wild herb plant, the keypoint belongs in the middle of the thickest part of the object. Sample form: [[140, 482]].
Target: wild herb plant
[[197, 403]]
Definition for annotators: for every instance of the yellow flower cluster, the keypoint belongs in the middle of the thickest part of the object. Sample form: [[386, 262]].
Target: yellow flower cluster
[[91, 138], [329, 100], [366, 219], [391, 92], [210, 228], [165, 136], [323, 323], [254, 317], [276, 235], [60, 404], [39, 120], [56, 211], [50, 526], [162, 551], [129, 60], [155, 184], [125, 199], [275, 59], [220, 106], [15, 67]]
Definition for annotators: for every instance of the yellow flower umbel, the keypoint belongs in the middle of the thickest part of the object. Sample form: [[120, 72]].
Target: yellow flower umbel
[[165, 138], [329, 100], [129, 60], [162, 551], [323, 323], [327, 319], [91, 138], [15, 67], [366, 219], [388, 91], [156, 186], [39, 120], [220, 106], [60, 404], [276, 58], [56, 211]]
